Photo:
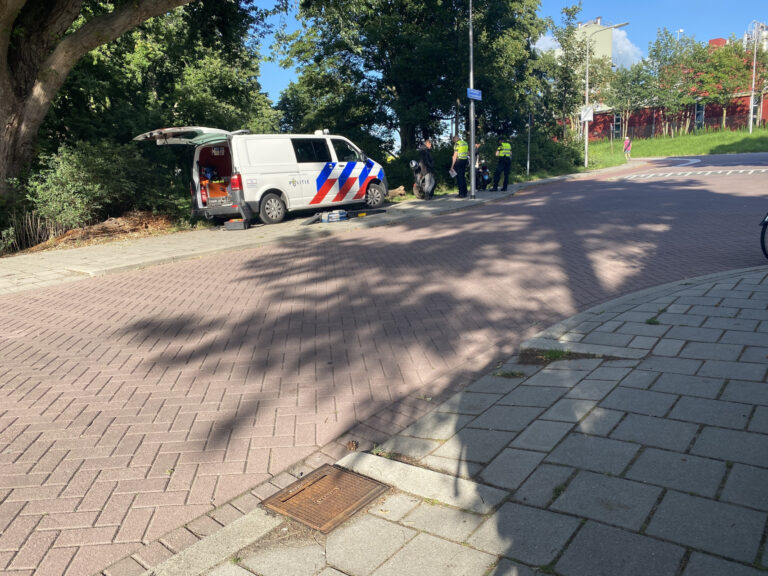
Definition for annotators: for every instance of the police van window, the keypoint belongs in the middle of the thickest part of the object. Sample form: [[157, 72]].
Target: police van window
[[345, 152], [311, 150]]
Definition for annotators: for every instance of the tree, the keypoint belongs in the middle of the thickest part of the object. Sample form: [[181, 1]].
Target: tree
[[565, 67], [40, 43], [630, 90], [724, 73], [416, 53]]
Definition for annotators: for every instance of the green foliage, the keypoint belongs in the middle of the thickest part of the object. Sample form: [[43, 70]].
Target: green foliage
[[86, 182]]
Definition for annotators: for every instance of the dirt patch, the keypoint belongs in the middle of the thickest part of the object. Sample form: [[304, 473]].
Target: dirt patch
[[135, 224]]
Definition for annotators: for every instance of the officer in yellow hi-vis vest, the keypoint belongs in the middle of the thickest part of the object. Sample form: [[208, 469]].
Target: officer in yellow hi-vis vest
[[504, 153], [459, 164]]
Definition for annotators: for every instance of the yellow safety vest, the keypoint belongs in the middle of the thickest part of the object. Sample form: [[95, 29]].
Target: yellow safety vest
[[462, 148], [504, 149]]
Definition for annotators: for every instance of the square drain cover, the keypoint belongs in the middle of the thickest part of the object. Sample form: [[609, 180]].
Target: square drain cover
[[325, 498]]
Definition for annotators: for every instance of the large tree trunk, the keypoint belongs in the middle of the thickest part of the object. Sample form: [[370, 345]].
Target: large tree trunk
[[36, 56]]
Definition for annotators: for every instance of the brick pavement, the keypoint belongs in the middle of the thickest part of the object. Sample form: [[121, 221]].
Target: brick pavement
[[134, 404]]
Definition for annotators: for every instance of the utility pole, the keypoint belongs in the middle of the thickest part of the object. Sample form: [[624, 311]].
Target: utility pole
[[755, 25]]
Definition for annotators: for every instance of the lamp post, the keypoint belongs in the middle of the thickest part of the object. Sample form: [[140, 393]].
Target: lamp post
[[679, 31], [755, 25], [586, 90]]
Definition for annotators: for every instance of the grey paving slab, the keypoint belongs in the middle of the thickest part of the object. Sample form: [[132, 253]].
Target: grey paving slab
[[295, 560], [614, 501], [733, 370], [724, 529], [437, 425], [577, 364], [395, 506], [607, 339], [593, 453], [642, 329], [720, 311], [564, 378], [376, 540], [687, 319], [611, 374], [542, 435], [712, 412], [641, 379], [599, 550], [754, 354], [525, 534], [694, 334], [643, 342], [707, 351], [443, 521], [475, 445], [508, 418], [759, 421], [732, 445], [658, 432], [705, 565], [510, 468], [741, 324], [682, 472], [599, 422], [748, 486], [668, 347], [689, 385], [747, 392], [426, 555], [676, 365], [569, 410], [469, 403], [543, 485], [533, 396], [591, 390], [490, 384], [639, 401]]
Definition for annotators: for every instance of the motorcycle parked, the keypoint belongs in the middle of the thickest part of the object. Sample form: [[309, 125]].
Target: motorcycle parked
[[423, 182], [482, 175]]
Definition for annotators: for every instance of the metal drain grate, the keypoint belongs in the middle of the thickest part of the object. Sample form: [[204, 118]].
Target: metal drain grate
[[325, 498]]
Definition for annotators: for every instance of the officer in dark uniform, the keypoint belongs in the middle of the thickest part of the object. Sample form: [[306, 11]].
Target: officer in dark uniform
[[504, 154], [459, 164], [427, 171]]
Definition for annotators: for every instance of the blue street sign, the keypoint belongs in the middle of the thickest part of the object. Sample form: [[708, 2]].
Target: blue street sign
[[473, 94]]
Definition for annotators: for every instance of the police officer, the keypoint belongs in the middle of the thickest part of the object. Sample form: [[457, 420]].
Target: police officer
[[459, 164], [504, 154]]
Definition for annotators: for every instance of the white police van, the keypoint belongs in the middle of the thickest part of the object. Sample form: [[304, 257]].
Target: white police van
[[238, 174]]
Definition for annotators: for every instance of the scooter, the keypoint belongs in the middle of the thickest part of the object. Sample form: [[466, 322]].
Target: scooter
[[423, 183], [482, 175], [763, 239]]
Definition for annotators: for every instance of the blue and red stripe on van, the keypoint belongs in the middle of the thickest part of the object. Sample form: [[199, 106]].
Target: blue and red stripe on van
[[324, 183]]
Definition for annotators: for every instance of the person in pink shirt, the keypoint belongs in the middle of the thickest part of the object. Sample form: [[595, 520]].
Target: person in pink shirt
[[627, 148]]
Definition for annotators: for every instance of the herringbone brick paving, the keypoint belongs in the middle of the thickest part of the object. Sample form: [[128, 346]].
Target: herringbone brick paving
[[133, 404]]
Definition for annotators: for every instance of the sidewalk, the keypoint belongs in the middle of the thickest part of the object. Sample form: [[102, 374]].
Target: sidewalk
[[647, 454]]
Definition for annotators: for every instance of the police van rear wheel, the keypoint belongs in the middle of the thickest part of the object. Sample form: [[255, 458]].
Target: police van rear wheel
[[271, 209], [374, 196]]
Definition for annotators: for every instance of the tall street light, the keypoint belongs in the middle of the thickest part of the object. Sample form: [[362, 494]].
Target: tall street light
[[586, 91], [755, 27]]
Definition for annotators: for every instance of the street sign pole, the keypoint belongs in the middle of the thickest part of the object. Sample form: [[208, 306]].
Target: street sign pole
[[471, 111]]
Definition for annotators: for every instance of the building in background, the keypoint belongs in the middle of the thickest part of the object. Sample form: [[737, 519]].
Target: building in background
[[601, 45]]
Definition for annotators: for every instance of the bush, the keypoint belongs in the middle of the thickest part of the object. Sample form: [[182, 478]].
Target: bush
[[85, 183]]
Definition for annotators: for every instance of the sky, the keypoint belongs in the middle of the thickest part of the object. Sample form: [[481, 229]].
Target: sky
[[701, 19]]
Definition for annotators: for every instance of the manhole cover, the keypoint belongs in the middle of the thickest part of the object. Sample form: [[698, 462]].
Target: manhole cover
[[323, 499]]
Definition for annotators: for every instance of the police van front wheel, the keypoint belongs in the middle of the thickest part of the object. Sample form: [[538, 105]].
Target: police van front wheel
[[271, 209], [374, 196]]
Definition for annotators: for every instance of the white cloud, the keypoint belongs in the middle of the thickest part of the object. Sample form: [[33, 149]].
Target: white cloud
[[546, 43], [624, 52]]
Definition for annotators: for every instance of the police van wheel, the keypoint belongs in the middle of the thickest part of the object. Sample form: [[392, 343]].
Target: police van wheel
[[271, 209], [374, 196]]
